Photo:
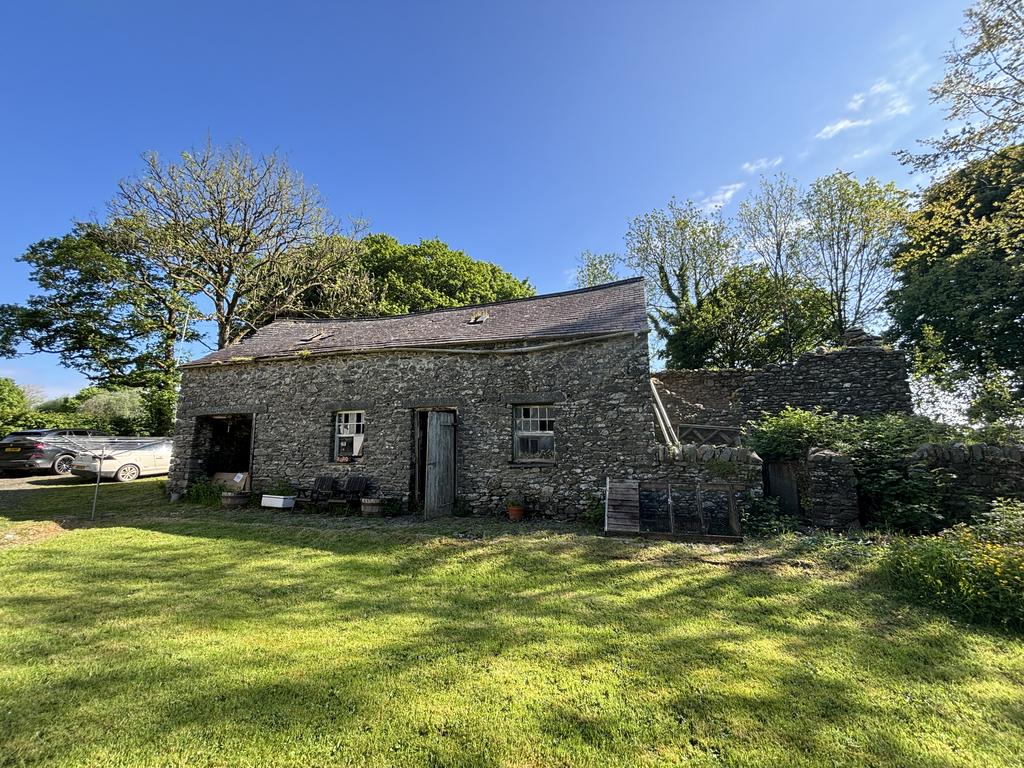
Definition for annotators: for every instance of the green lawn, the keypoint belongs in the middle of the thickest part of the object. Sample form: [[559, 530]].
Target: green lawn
[[171, 635]]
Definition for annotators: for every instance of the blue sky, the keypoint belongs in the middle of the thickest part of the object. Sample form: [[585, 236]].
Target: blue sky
[[520, 132]]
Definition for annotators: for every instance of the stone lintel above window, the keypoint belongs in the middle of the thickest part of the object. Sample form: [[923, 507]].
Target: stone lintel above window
[[349, 405], [532, 398], [228, 410]]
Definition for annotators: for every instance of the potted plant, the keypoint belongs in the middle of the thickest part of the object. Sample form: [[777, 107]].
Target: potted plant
[[371, 506], [279, 495], [514, 508]]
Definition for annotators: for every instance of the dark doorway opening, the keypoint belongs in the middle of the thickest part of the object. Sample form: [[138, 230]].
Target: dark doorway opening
[[230, 443], [433, 477]]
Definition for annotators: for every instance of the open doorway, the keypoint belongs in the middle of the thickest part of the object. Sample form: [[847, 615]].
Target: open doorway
[[433, 478], [228, 442]]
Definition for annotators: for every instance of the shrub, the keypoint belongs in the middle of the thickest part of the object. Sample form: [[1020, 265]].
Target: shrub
[[789, 434], [593, 510], [280, 488], [204, 492], [123, 410], [894, 492], [976, 571], [763, 518]]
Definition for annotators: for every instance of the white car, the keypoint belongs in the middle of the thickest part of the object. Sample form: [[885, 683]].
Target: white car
[[125, 459]]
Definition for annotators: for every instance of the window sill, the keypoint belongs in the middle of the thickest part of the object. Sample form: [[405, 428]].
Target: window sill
[[528, 464]]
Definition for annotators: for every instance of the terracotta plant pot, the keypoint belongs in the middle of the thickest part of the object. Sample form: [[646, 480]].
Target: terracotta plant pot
[[515, 514]]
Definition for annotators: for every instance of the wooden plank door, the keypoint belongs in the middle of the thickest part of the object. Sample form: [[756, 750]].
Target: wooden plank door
[[781, 482], [439, 496]]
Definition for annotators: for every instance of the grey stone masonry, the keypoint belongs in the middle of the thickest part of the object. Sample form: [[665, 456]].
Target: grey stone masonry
[[605, 424], [604, 418], [866, 380], [987, 471], [828, 496]]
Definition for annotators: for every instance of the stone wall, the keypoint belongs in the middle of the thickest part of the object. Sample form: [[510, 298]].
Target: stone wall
[[985, 471], [828, 497], [976, 474], [605, 420], [864, 380]]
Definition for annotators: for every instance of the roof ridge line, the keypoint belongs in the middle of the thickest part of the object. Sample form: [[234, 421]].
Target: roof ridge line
[[439, 310]]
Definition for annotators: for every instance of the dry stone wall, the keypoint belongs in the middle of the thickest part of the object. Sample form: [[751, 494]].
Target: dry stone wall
[[865, 380], [605, 420]]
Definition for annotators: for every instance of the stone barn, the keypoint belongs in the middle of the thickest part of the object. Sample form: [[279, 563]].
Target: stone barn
[[541, 398]]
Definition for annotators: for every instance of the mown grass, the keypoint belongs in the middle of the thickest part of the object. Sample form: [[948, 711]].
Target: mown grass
[[173, 635]]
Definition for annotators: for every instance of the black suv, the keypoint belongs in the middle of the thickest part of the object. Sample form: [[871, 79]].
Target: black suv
[[46, 449]]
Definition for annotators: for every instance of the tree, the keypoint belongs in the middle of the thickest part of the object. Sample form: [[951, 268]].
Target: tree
[[106, 311], [849, 233], [595, 269], [123, 411], [243, 232], [682, 251], [983, 88], [771, 227], [12, 401], [750, 320], [430, 275], [958, 302]]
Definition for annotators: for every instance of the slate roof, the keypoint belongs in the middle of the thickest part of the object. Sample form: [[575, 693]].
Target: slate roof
[[604, 309]]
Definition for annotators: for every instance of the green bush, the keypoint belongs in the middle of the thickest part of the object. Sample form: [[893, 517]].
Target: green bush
[[789, 434], [204, 492], [280, 488], [763, 518], [976, 571], [894, 492]]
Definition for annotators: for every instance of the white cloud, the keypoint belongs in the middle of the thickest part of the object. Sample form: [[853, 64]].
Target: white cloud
[[896, 105], [762, 164], [721, 196], [881, 86], [844, 124], [884, 100]]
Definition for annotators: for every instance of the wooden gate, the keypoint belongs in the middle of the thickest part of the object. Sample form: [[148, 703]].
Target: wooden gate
[[780, 481], [439, 490]]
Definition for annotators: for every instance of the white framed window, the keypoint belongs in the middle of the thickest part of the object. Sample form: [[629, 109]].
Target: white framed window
[[533, 433], [349, 434]]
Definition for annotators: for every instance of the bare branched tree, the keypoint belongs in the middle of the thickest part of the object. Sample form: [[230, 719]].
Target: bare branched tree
[[244, 232], [850, 232], [770, 224], [983, 88]]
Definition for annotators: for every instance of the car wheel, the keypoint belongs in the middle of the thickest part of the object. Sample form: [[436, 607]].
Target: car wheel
[[127, 473], [62, 466]]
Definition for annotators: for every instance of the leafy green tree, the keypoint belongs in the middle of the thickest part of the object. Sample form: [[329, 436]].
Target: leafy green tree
[[682, 251], [958, 303], [750, 320], [983, 88], [105, 309], [13, 402], [431, 275], [122, 411], [849, 233], [596, 269]]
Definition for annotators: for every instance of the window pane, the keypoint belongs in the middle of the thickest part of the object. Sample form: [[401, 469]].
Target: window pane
[[536, 447], [349, 427]]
